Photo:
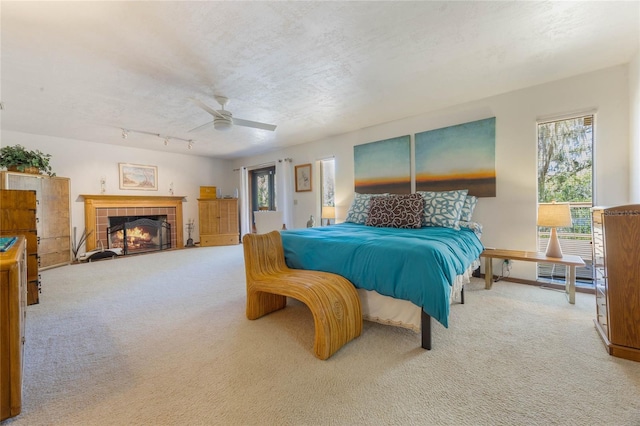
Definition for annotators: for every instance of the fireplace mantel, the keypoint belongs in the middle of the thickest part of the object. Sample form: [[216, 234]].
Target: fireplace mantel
[[94, 202]]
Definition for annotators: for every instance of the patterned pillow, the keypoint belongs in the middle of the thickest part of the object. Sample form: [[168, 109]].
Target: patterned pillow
[[468, 207], [396, 211], [474, 226], [443, 208], [359, 209]]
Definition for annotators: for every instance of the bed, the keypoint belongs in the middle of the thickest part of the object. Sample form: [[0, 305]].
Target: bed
[[404, 276]]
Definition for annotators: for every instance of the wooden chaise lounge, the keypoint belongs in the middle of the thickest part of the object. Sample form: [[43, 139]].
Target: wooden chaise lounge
[[332, 299]]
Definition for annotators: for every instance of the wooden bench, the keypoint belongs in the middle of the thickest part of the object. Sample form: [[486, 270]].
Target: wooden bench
[[332, 299], [531, 256]]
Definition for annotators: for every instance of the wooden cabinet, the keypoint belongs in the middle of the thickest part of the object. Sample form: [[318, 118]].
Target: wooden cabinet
[[218, 222], [616, 261], [13, 302], [53, 214], [18, 217]]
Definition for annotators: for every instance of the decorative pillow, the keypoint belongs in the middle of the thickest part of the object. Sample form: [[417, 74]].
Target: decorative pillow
[[468, 207], [359, 209], [396, 211], [443, 208], [474, 226]]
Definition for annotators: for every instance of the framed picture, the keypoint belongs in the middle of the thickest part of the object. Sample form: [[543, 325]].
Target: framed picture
[[136, 176], [303, 178]]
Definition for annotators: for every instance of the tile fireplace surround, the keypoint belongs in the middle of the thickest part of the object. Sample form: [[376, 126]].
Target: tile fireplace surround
[[97, 209]]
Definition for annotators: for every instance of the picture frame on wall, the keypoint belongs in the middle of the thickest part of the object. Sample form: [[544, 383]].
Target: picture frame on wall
[[303, 178], [137, 176]]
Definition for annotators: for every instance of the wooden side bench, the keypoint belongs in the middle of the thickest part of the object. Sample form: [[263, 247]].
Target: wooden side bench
[[332, 299], [571, 261]]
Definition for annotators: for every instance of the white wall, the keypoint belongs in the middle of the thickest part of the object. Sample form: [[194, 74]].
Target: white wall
[[509, 219], [634, 126], [86, 162]]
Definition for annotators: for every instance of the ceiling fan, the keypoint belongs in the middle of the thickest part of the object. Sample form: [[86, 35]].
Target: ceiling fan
[[224, 120]]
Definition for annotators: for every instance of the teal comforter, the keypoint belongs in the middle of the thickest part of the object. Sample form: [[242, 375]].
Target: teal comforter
[[418, 265]]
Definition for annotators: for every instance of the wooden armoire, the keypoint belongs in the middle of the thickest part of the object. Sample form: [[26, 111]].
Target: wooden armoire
[[218, 222], [53, 219], [616, 261]]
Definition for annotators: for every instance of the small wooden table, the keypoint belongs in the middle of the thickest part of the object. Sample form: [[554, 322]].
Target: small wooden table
[[531, 256]]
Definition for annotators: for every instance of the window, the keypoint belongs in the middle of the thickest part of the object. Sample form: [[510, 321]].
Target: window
[[565, 174], [263, 192], [327, 193]]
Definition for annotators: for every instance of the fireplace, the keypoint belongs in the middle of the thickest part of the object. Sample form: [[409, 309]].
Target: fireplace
[[99, 208], [139, 234]]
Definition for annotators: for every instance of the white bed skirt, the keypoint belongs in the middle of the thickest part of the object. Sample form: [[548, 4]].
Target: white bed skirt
[[402, 313]]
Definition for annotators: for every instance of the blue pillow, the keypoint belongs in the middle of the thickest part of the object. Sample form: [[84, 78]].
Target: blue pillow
[[443, 208]]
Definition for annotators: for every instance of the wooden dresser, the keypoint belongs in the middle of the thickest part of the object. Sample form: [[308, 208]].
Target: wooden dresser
[[616, 261], [18, 217], [53, 214], [218, 222], [13, 303]]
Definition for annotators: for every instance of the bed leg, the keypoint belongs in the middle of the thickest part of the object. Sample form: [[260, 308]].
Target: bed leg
[[426, 330], [462, 295]]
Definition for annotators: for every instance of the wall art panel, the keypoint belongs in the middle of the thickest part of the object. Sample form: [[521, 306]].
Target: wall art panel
[[458, 157], [383, 166]]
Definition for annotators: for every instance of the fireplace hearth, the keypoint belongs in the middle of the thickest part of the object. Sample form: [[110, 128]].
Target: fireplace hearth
[[139, 234], [98, 209]]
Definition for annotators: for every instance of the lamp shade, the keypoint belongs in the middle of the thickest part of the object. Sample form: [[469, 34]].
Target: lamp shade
[[328, 212], [554, 214]]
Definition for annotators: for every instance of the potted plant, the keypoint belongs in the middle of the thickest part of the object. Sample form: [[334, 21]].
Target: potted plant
[[18, 158]]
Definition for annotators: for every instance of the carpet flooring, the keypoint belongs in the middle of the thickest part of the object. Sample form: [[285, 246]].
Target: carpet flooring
[[162, 339]]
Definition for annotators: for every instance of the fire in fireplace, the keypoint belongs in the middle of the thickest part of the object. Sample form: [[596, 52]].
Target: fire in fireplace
[[138, 234]]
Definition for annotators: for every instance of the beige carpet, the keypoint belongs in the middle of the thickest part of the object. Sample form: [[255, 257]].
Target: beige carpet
[[161, 339]]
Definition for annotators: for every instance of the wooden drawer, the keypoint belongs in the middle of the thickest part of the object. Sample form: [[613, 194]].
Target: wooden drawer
[[32, 266], [32, 242], [25, 201], [218, 240], [33, 293], [601, 308], [17, 219]]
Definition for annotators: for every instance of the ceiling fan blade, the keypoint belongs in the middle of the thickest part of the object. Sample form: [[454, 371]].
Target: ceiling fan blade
[[206, 107], [200, 127], [254, 124]]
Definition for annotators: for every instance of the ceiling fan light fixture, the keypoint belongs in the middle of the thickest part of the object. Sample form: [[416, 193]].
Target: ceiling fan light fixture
[[222, 124]]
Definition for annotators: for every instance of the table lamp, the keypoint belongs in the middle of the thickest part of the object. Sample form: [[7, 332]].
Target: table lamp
[[328, 212], [554, 215]]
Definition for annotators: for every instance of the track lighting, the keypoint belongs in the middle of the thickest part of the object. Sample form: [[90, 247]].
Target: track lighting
[[125, 134]]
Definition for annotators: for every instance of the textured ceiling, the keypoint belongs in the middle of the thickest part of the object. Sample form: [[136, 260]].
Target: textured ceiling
[[84, 70]]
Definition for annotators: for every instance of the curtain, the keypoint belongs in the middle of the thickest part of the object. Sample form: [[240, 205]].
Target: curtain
[[284, 190], [243, 195]]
